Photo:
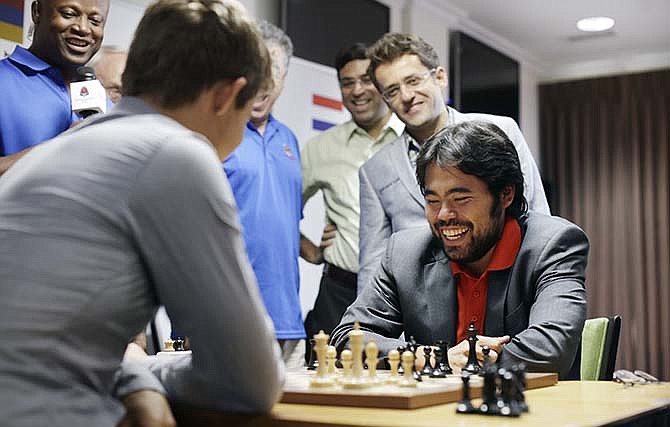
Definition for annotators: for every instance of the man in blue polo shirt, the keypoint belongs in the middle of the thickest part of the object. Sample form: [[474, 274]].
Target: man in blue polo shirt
[[264, 173], [36, 102]]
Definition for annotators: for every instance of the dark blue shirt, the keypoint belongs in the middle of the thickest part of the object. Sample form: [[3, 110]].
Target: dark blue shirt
[[35, 103], [264, 173]]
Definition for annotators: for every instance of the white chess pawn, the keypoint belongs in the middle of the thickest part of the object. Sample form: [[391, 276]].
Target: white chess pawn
[[394, 361], [331, 356], [321, 379], [371, 353], [346, 357], [408, 367]]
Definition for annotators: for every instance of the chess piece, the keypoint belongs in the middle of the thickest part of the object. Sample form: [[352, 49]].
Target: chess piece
[[321, 379], [371, 353], [168, 345], [178, 344], [507, 404], [331, 357], [401, 350], [444, 360], [311, 365], [345, 358], [465, 405], [408, 368], [412, 347], [394, 361], [437, 371], [427, 367], [489, 404], [520, 372], [472, 366], [486, 351], [357, 379]]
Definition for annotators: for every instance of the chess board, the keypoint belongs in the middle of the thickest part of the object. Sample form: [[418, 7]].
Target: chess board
[[429, 392]]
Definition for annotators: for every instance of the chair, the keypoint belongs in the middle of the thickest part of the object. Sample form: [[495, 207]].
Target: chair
[[600, 343]]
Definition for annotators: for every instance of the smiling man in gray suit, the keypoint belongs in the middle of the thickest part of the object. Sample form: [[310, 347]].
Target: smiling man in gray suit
[[407, 72], [518, 275]]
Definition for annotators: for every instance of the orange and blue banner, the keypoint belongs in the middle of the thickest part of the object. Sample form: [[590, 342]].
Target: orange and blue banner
[[326, 102], [11, 20]]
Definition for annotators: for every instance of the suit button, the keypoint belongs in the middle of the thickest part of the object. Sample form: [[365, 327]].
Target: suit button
[[475, 294], [474, 318]]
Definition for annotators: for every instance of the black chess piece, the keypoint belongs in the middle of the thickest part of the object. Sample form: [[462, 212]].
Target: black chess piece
[[401, 350], [413, 347], [520, 372], [437, 371], [507, 403], [486, 351], [490, 392], [313, 362], [178, 344], [444, 360], [472, 366], [427, 367], [465, 405]]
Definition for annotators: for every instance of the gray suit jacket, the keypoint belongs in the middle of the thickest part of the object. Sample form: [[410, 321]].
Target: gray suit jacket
[[540, 301], [391, 200]]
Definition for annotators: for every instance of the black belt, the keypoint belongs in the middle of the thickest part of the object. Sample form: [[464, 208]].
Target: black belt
[[341, 275]]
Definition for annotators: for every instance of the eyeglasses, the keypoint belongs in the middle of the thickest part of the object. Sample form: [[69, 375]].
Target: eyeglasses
[[412, 82], [349, 83]]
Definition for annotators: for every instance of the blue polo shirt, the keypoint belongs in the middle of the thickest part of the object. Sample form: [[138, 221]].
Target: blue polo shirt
[[35, 103], [264, 173]]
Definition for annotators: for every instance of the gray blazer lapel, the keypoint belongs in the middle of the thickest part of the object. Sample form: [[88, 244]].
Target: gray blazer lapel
[[441, 294], [496, 293], [400, 161]]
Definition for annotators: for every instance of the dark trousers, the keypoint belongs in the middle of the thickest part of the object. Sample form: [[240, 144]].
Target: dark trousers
[[337, 290]]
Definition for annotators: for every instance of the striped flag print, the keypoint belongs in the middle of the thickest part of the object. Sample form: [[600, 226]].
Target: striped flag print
[[11, 20], [324, 101]]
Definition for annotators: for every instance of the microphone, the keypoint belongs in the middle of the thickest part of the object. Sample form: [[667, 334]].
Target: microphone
[[87, 94]]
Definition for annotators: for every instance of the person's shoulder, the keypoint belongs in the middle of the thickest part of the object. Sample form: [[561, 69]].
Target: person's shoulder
[[333, 134], [507, 124], [412, 241], [545, 227]]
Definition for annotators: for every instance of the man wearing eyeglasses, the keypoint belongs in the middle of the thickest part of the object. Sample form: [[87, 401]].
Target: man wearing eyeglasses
[[406, 70], [330, 163]]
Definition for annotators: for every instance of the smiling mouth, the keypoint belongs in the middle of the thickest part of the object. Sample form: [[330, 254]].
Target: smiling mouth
[[360, 102], [454, 233], [412, 108], [78, 45]]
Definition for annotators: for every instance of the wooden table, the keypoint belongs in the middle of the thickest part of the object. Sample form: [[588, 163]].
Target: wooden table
[[573, 403]]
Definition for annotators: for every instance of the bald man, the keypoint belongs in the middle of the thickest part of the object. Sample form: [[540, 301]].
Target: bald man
[[36, 99], [108, 66]]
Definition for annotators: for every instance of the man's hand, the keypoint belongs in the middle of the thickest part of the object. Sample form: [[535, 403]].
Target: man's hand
[[147, 408], [134, 352], [458, 355], [313, 254]]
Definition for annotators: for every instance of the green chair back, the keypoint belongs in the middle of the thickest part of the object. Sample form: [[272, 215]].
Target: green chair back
[[600, 343]]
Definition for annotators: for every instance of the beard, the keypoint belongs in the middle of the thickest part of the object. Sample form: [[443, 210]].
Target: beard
[[480, 242]]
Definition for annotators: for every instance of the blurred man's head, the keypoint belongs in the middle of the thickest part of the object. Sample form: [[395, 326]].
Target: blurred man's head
[[281, 50], [407, 72], [68, 33], [359, 94], [471, 179], [108, 66], [202, 57]]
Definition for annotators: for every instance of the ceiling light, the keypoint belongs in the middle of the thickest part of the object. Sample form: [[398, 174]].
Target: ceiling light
[[595, 23]]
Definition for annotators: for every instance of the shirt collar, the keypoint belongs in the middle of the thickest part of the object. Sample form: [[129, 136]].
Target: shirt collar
[[393, 123], [505, 251], [23, 57], [268, 125]]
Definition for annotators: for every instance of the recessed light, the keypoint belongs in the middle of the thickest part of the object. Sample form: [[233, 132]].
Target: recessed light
[[595, 23]]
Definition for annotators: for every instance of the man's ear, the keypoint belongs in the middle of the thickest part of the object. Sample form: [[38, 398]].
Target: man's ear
[[35, 12], [225, 95], [507, 195], [441, 77]]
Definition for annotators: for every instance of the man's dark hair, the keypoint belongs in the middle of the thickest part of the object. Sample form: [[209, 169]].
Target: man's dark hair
[[348, 54], [183, 47], [480, 149], [392, 46]]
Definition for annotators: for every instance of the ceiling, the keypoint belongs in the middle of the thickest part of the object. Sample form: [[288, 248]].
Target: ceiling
[[546, 35]]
